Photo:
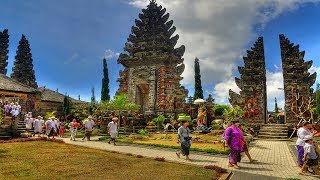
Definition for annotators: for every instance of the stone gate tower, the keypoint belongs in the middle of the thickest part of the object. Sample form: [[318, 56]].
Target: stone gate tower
[[253, 97], [296, 79], [153, 66]]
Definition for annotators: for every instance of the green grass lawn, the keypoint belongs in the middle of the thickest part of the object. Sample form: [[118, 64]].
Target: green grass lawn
[[159, 140], [47, 160]]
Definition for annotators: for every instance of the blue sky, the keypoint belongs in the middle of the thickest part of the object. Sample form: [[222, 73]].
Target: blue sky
[[69, 39]]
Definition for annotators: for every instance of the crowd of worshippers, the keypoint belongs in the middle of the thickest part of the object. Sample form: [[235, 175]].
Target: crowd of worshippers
[[12, 109], [53, 127]]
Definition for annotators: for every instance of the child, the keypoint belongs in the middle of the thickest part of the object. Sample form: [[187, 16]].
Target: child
[[113, 130], [245, 146], [73, 127], [310, 157], [61, 130]]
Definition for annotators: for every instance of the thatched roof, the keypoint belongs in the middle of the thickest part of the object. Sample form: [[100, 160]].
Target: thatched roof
[[53, 96], [9, 84]]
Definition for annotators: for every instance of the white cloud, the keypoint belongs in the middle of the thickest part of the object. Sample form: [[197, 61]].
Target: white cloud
[[317, 70], [73, 57], [109, 54], [221, 90], [217, 32], [274, 82]]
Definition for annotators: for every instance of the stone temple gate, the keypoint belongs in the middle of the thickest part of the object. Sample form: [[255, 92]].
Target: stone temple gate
[[153, 66], [297, 83]]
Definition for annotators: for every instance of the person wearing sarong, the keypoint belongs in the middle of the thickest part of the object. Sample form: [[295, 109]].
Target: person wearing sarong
[[184, 139], [29, 121], [73, 127], [234, 139], [245, 146], [37, 125], [113, 130], [7, 109], [301, 133], [88, 125], [50, 130], [18, 108]]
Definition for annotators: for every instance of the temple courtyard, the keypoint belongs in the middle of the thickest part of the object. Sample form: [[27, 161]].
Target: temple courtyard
[[275, 160]]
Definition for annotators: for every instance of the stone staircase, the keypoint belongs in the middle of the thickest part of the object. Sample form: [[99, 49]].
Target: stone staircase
[[273, 131], [21, 126], [5, 133], [6, 128]]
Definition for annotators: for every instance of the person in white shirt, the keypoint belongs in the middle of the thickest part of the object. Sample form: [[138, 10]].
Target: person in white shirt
[[18, 108], [29, 121], [50, 127], [73, 127], [88, 125], [301, 133], [14, 113], [57, 125], [113, 130], [37, 125]]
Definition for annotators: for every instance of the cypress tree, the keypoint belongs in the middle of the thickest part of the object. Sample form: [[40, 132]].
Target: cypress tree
[[66, 105], [105, 82], [276, 109], [23, 67], [198, 92], [93, 97], [4, 44]]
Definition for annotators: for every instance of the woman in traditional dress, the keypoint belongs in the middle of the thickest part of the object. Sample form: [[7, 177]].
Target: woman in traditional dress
[[73, 127], [184, 139], [234, 139]]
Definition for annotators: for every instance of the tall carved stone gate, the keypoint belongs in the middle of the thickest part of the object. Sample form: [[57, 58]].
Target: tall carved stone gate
[[297, 80], [297, 83], [153, 66], [252, 98]]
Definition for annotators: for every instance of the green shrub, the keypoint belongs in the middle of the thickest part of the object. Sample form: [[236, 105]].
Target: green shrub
[[219, 109], [215, 126], [143, 131]]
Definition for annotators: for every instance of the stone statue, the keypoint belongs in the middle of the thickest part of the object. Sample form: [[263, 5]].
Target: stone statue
[[202, 117]]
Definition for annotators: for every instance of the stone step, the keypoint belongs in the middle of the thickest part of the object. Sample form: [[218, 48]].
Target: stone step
[[284, 125], [273, 130], [5, 134], [272, 137], [274, 133], [5, 137]]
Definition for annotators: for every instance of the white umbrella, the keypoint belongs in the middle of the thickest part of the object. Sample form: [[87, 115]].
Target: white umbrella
[[199, 101]]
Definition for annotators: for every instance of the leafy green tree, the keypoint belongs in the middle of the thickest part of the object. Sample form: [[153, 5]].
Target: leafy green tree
[[105, 82], [218, 109], [198, 92], [4, 45], [119, 103], [22, 70], [233, 112]]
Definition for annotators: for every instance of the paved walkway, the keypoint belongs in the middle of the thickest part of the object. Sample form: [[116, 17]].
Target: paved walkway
[[274, 158]]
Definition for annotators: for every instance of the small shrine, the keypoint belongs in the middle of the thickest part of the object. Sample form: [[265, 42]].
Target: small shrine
[[152, 65]]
